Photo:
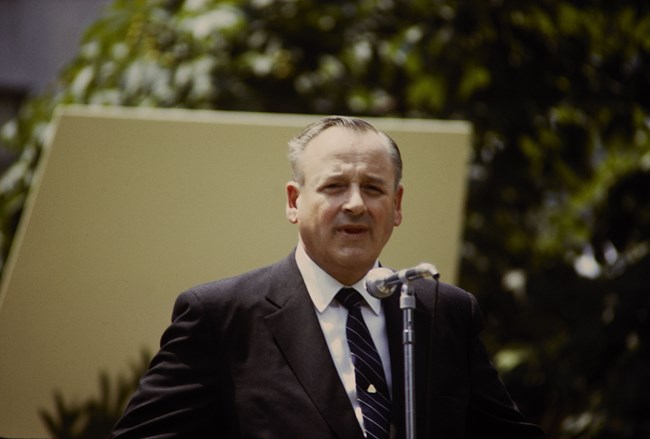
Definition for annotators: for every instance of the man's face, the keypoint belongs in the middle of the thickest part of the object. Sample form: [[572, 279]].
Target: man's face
[[348, 204]]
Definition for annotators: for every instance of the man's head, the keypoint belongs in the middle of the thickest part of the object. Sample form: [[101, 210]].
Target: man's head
[[346, 195]]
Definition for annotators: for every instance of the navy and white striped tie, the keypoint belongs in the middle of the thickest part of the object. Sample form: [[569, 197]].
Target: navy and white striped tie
[[372, 391]]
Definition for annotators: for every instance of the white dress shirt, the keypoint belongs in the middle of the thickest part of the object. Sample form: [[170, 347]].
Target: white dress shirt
[[332, 318]]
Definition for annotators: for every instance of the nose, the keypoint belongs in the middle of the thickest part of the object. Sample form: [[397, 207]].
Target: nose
[[354, 204]]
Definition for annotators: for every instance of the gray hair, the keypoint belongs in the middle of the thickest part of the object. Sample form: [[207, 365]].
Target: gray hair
[[298, 144]]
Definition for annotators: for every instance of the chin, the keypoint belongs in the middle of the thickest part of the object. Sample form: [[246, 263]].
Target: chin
[[356, 260]]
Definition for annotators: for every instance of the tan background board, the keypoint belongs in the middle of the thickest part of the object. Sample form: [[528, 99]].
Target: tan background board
[[132, 206]]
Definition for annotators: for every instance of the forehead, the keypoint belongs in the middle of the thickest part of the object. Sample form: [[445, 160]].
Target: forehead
[[339, 149]]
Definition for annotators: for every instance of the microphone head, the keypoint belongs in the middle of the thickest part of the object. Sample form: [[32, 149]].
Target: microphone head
[[427, 271], [376, 285]]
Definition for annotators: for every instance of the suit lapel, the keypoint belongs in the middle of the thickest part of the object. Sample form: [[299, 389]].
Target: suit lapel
[[295, 327]]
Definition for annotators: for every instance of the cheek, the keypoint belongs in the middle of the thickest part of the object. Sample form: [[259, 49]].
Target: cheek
[[322, 214], [383, 211], [310, 212], [320, 208]]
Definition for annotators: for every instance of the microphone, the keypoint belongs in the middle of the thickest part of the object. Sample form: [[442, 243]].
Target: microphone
[[382, 282]]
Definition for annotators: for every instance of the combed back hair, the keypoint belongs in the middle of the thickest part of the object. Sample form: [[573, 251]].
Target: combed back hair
[[298, 144]]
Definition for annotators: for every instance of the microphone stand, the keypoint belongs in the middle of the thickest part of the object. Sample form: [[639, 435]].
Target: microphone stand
[[407, 305], [381, 283]]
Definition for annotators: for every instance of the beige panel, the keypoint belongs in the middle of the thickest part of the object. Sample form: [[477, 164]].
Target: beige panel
[[133, 206]]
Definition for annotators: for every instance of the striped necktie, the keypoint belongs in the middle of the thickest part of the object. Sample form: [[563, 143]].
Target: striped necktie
[[372, 391]]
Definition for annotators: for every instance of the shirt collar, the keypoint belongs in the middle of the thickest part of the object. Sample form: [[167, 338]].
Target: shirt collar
[[322, 287]]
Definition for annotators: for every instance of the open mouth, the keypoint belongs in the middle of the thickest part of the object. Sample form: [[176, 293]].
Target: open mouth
[[354, 229]]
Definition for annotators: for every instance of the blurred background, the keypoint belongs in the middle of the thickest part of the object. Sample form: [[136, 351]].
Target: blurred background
[[37, 39], [556, 242]]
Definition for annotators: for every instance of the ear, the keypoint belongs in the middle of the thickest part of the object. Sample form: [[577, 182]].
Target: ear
[[398, 205], [293, 193]]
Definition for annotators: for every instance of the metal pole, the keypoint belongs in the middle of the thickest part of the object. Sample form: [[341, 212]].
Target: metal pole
[[407, 304]]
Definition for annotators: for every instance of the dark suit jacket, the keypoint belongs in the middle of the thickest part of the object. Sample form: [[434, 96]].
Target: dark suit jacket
[[246, 358]]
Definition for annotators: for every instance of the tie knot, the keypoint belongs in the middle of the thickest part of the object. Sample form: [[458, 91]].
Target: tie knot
[[349, 298]]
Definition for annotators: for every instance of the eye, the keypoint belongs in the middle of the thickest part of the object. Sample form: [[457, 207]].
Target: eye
[[333, 187], [374, 189]]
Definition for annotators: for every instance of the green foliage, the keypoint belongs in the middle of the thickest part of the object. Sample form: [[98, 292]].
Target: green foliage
[[557, 235], [94, 418]]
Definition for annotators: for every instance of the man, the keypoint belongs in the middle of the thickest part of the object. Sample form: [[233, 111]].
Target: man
[[272, 353]]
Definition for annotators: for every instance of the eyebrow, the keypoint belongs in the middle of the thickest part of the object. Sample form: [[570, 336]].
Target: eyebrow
[[377, 180]]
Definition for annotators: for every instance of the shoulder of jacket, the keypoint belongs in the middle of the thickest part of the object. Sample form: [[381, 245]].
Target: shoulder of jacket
[[245, 287]]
